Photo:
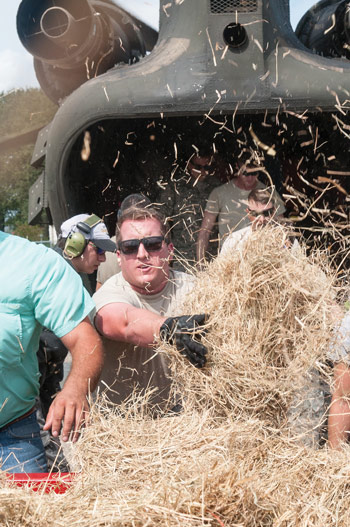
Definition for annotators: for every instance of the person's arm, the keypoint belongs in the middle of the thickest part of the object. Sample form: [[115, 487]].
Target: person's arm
[[121, 321], [70, 406], [142, 327], [339, 413], [207, 225]]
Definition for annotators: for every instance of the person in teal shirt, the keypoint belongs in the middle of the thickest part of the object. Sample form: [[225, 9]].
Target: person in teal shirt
[[38, 288]]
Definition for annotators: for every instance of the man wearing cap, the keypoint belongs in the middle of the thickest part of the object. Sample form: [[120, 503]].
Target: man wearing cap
[[83, 241], [111, 266], [139, 306], [38, 288]]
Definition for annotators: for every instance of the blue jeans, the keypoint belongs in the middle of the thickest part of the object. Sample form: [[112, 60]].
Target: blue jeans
[[21, 448]]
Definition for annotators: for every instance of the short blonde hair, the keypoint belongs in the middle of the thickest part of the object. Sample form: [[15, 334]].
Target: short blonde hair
[[138, 214]]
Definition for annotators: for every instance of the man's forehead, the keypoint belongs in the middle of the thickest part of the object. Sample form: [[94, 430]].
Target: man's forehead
[[246, 167], [139, 227], [256, 205]]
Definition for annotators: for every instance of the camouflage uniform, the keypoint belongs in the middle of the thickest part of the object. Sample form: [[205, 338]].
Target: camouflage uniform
[[183, 202]]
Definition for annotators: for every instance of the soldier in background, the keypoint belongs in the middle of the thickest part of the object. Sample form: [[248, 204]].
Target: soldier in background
[[226, 205], [183, 203]]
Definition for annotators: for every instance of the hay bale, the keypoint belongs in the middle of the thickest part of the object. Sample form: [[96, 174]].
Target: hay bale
[[228, 459], [270, 322]]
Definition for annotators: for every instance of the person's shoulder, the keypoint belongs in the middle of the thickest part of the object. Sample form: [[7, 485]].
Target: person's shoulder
[[181, 279], [233, 239], [34, 254], [180, 275], [110, 284], [238, 235], [15, 242], [222, 186], [115, 289], [217, 192]]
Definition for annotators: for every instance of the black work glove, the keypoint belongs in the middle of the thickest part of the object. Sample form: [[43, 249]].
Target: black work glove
[[181, 332]]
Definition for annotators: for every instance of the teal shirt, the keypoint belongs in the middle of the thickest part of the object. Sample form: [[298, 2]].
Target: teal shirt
[[37, 288]]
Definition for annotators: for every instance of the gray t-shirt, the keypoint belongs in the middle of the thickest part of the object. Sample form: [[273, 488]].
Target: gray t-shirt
[[128, 366], [229, 203], [340, 350]]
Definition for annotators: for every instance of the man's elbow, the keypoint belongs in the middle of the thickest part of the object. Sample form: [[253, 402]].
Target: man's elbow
[[106, 326]]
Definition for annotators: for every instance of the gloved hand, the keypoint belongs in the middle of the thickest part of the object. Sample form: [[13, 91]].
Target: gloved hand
[[181, 331]]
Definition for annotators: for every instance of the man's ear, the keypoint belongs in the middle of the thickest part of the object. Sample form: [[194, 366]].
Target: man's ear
[[118, 256], [171, 251]]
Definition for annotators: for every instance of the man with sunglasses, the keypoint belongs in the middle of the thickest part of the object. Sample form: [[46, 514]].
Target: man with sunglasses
[[227, 203], [139, 306], [261, 210], [111, 265]]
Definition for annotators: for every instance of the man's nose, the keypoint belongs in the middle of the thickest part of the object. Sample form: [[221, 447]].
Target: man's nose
[[141, 252]]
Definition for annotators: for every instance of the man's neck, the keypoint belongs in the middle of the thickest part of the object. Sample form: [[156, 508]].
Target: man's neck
[[148, 290], [240, 184]]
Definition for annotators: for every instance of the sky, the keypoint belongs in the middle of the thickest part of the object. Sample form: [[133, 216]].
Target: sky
[[16, 64]]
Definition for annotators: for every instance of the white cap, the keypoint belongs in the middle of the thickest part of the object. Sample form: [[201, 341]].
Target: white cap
[[97, 234]]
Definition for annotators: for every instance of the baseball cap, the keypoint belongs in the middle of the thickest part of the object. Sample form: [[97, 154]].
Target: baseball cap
[[97, 233]]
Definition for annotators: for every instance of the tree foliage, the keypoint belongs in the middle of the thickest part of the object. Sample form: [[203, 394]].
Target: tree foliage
[[24, 110], [20, 111]]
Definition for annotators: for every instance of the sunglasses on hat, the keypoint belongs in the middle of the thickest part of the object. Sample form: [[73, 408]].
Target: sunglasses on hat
[[151, 244]]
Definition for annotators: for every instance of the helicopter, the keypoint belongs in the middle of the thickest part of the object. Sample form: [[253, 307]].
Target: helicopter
[[231, 73]]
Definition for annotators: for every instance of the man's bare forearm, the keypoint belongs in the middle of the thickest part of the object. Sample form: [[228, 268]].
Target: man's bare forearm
[[69, 409], [87, 356], [339, 413], [338, 423], [128, 324]]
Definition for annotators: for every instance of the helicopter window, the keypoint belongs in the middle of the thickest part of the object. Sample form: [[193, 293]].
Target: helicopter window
[[233, 6]]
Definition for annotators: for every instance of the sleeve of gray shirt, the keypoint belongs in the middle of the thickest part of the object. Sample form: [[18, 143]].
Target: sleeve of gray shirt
[[340, 348]]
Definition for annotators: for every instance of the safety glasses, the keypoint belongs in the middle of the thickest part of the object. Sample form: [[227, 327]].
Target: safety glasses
[[266, 213], [97, 249], [151, 244]]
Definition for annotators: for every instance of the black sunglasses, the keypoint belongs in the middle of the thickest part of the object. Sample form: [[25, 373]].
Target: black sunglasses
[[97, 249], [151, 244], [267, 212]]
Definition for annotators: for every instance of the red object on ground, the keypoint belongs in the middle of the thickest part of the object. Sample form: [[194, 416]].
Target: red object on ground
[[57, 482]]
